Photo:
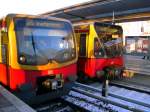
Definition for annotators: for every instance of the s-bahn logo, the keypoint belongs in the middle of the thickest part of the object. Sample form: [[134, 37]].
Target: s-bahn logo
[[112, 62], [50, 72]]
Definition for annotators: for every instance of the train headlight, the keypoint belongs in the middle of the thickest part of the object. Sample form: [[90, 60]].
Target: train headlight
[[22, 59]]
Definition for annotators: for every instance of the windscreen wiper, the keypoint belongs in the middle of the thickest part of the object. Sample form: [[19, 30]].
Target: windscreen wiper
[[33, 42], [36, 48]]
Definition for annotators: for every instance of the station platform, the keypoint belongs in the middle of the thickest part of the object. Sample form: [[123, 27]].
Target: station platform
[[10, 103], [137, 64]]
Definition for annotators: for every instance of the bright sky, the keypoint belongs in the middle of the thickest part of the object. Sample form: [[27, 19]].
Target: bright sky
[[34, 6]]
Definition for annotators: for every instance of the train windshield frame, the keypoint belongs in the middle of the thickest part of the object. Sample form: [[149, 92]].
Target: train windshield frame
[[42, 41], [109, 41]]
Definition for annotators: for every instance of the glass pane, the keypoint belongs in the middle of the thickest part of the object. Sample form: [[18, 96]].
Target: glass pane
[[137, 45], [111, 38], [130, 45], [40, 41]]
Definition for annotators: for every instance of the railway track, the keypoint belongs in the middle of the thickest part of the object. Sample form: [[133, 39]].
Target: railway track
[[138, 83], [88, 98], [58, 105], [131, 86], [117, 99]]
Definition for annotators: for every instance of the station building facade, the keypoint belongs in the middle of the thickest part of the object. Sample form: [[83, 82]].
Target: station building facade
[[136, 37]]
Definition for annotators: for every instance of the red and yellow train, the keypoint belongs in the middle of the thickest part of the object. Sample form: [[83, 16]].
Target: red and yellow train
[[100, 48], [36, 53]]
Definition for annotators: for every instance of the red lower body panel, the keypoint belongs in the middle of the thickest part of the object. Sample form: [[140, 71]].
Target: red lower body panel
[[89, 66], [3, 74], [18, 77]]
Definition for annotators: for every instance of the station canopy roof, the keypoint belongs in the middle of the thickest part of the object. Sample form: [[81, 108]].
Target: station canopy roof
[[103, 10]]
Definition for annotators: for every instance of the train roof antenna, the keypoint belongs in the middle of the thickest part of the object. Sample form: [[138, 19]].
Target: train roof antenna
[[113, 17]]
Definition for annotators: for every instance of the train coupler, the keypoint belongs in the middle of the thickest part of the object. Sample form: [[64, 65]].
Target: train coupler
[[49, 83], [52, 84]]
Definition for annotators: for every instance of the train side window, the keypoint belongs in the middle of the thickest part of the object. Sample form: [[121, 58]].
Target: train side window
[[3, 57], [3, 51], [98, 50], [82, 45]]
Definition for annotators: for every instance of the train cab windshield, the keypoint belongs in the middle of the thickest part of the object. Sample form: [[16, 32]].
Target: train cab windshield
[[41, 41], [109, 41]]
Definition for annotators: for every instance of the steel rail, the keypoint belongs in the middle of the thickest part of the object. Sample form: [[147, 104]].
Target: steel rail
[[93, 103], [72, 105], [104, 99], [131, 87], [113, 95]]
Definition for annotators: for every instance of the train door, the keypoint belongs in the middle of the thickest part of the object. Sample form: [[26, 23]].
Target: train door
[[3, 54], [82, 45], [83, 41]]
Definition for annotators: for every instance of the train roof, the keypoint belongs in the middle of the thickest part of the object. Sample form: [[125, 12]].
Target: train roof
[[37, 16]]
